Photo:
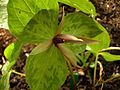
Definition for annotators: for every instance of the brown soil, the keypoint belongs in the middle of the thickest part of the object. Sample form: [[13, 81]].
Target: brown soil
[[109, 16]]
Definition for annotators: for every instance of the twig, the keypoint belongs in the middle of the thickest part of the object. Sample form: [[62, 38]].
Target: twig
[[21, 74], [101, 70], [110, 79], [94, 78]]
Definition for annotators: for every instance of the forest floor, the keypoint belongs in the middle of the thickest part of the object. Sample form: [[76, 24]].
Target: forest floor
[[109, 16]]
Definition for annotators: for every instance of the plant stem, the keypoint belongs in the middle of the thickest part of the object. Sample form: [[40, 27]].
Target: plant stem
[[23, 75], [94, 78]]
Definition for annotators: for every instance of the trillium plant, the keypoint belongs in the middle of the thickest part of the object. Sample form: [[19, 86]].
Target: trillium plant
[[58, 44]]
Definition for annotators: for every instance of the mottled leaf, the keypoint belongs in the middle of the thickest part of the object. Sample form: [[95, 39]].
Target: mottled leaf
[[41, 27], [46, 70], [79, 24], [20, 13]]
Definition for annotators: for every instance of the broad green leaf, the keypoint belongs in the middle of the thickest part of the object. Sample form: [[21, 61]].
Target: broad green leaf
[[20, 13], [3, 14], [46, 70], [4, 81], [79, 24], [41, 27], [83, 5], [104, 41], [41, 47], [109, 57], [11, 53]]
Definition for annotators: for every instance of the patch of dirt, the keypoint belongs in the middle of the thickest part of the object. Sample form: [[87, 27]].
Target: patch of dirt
[[109, 16]]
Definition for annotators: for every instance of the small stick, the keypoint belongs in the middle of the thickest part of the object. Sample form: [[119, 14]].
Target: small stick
[[101, 70], [21, 74], [110, 79]]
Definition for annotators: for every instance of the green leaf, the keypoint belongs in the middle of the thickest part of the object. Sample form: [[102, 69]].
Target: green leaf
[[83, 5], [41, 27], [8, 51], [104, 41], [11, 53], [46, 70], [20, 13], [3, 14], [109, 57], [4, 81], [79, 24]]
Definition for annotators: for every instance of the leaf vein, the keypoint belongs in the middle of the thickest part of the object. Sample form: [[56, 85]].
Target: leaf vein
[[29, 7]]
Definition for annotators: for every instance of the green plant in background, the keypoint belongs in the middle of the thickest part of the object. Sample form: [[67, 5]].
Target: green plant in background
[[3, 14], [58, 46]]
